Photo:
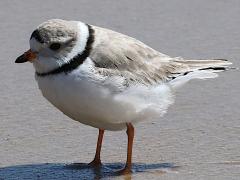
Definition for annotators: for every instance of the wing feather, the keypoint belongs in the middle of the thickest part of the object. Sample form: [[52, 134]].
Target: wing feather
[[117, 54]]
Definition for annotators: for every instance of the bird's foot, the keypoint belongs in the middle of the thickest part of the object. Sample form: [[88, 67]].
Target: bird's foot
[[126, 170], [95, 163]]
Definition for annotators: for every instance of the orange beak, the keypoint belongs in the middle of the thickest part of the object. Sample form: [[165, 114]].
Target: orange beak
[[27, 56]]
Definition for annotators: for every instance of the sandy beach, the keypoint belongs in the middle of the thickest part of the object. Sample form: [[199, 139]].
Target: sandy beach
[[199, 138]]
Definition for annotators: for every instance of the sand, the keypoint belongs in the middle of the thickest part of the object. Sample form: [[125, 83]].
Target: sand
[[199, 138]]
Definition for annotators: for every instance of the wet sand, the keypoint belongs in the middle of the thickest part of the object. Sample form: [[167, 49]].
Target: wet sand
[[199, 138]]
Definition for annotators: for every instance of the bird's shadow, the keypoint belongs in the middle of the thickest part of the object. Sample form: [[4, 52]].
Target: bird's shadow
[[62, 171]]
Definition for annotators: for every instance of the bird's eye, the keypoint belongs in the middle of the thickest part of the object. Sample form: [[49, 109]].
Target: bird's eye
[[55, 46]]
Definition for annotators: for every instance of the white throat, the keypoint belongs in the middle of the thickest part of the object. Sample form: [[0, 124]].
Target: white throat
[[46, 64]]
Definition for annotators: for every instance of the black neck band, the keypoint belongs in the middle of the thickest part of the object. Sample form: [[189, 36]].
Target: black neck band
[[76, 60]]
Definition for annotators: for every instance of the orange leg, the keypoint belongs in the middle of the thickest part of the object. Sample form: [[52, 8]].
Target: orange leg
[[128, 166], [97, 160]]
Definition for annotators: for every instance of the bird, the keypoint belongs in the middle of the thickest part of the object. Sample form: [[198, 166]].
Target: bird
[[106, 79]]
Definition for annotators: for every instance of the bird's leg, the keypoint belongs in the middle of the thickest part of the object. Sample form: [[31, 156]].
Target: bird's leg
[[97, 160], [128, 166]]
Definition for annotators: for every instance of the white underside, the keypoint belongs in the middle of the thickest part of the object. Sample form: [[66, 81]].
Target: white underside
[[101, 102]]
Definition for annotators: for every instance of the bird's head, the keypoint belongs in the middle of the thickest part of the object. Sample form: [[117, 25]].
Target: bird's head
[[54, 43]]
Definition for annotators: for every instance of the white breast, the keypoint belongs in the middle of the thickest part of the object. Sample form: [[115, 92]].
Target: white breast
[[98, 101]]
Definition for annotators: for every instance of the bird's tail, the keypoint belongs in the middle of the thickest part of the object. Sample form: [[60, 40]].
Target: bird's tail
[[199, 69]]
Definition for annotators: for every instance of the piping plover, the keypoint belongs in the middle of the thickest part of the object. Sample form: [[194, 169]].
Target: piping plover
[[106, 79]]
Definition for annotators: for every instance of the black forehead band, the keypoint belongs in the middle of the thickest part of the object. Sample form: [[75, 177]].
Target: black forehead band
[[37, 36]]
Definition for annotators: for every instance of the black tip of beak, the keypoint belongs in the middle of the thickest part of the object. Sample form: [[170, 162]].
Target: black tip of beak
[[21, 59]]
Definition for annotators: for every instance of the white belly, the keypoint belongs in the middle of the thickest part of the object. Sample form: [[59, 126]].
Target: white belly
[[91, 101]]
